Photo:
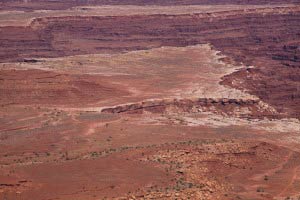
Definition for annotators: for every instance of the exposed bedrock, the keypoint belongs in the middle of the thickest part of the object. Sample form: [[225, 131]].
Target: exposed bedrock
[[268, 39], [236, 32], [238, 107], [61, 5]]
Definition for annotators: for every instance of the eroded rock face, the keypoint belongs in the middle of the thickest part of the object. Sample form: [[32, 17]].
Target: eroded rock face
[[29, 5], [236, 32], [255, 108], [277, 85], [267, 39]]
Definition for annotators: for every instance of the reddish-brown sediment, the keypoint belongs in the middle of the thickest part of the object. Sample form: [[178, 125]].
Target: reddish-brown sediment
[[272, 45], [209, 169], [92, 155], [110, 177], [161, 73], [29, 87], [156, 149], [232, 166]]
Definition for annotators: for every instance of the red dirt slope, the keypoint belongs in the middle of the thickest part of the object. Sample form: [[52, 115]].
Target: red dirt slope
[[44, 87]]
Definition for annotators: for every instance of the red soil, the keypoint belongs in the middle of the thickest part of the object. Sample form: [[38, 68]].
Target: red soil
[[44, 87]]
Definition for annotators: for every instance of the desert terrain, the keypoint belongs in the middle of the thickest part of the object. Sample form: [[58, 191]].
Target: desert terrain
[[149, 99]]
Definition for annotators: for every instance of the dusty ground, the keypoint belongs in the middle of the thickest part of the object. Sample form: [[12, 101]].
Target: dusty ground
[[101, 100]]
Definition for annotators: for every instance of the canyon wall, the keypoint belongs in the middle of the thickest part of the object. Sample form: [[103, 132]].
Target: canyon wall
[[268, 39], [28, 5]]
